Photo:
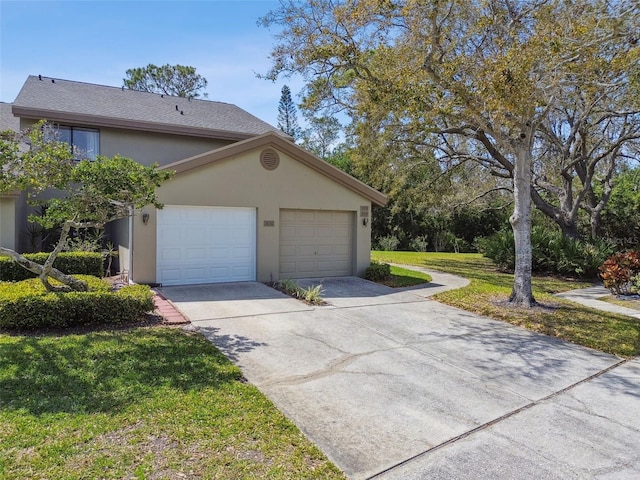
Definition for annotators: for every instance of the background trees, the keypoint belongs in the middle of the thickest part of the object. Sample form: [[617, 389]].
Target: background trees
[[540, 95], [92, 192], [321, 135], [287, 117], [177, 80]]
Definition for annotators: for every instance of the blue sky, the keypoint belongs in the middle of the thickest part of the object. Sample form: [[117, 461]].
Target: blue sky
[[97, 41]]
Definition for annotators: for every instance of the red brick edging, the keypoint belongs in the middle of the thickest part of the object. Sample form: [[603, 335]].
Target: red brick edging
[[166, 309]]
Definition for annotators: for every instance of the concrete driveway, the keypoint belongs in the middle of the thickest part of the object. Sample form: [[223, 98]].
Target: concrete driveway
[[392, 385]]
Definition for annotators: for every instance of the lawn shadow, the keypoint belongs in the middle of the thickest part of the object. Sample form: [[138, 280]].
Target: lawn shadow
[[105, 371]]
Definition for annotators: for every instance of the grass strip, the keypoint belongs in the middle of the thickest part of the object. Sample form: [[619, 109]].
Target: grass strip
[[402, 277]]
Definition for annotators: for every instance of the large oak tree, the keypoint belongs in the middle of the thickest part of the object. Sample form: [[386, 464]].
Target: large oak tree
[[515, 86]]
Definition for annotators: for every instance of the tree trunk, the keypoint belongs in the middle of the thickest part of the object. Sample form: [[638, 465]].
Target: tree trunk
[[595, 220], [73, 283], [563, 217], [570, 230], [522, 293]]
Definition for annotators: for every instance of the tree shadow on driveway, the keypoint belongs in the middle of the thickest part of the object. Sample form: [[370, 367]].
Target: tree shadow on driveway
[[230, 345]]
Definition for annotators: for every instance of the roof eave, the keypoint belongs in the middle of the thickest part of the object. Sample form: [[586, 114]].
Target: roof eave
[[100, 121]]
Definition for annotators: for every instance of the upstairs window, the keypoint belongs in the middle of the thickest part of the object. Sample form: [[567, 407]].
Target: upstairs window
[[85, 142]]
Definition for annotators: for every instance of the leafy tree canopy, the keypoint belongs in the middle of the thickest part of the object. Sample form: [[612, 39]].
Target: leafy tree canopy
[[177, 80], [321, 136]]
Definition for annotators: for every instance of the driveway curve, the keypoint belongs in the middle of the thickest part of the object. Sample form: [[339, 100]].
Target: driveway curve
[[393, 385]]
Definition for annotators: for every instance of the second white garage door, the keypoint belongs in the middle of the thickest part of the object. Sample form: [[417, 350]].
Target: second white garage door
[[205, 245], [316, 243]]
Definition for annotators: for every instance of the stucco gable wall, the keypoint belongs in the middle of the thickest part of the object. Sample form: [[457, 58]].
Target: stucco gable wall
[[241, 181]]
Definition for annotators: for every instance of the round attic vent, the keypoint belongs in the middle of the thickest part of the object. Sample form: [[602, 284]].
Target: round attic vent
[[269, 159]]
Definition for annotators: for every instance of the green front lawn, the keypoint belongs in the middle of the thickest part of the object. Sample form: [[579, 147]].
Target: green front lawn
[[489, 290], [402, 277], [140, 403]]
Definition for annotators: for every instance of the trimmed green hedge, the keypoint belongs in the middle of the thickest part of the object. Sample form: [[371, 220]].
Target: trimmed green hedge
[[27, 304], [71, 263]]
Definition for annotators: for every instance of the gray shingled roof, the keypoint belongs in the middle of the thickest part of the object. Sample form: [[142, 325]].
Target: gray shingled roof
[[7, 120], [64, 100]]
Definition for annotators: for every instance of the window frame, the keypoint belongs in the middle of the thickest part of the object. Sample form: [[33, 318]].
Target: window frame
[[75, 150]]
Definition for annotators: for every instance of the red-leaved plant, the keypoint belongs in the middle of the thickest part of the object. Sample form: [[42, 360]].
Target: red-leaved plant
[[620, 271]]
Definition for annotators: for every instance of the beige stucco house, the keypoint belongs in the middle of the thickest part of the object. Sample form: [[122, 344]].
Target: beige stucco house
[[245, 204]]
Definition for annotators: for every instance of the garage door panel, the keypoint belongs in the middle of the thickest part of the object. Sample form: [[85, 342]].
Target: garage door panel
[[325, 250], [325, 231], [325, 265], [342, 231], [243, 236], [342, 250], [171, 274], [195, 274], [287, 268], [170, 254], [205, 245], [305, 217], [241, 253], [218, 253], [287, 251], [343, 217], [241, 272], [287, 232], [305, 251], [288, 216], [195, 253], [171, 216], [315, 243], [323, 217], [306, 231], [219, 236], [171, 237]]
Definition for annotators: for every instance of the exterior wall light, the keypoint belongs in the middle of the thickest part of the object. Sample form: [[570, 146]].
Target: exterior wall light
[[365, 221], [145, 218]]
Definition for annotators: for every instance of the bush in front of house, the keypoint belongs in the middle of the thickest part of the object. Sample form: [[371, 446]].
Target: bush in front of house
[[27, 305], [71, 263], [377, 272]]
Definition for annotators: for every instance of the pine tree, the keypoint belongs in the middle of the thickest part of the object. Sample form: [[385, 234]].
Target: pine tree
[[287, 121], [178, 80]]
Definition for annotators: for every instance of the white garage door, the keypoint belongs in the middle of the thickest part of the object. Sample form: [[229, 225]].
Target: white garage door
[[315, 243], [206, 245]]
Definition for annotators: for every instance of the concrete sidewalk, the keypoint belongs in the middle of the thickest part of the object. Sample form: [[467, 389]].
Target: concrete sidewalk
[[589, 297], [391, 385]]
